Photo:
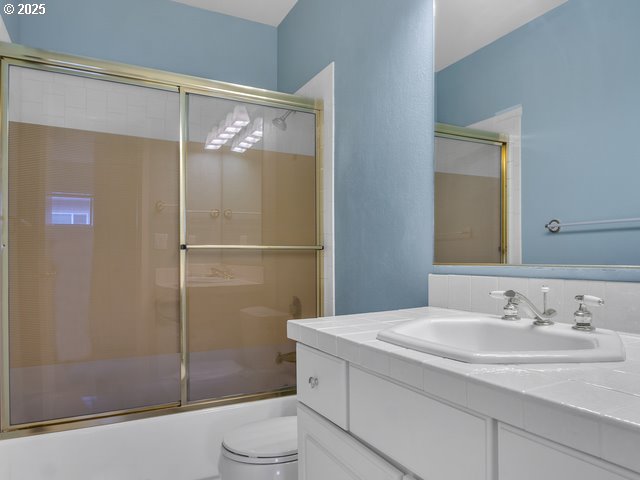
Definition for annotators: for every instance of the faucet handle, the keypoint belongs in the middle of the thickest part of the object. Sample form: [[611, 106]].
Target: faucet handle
[[545, 292], [590, 300], [510, 310], [583, 316]]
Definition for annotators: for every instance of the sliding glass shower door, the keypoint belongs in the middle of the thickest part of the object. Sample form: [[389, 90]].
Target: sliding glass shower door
[[251, 236], [156, 239], [91, 328]]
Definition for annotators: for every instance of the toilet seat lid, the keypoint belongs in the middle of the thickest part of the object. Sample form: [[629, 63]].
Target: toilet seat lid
[[276, 437]]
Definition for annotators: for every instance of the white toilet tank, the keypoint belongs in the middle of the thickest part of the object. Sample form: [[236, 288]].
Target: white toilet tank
[[265, 450]]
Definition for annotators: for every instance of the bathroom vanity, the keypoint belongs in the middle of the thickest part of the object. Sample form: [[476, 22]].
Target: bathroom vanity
[[375, 411]]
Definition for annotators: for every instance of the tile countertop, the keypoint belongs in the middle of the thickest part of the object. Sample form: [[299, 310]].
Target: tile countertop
[[592, 407]]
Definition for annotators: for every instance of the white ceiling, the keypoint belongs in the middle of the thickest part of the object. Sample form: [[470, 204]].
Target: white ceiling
[[465, 26], [462, 26], [270, 12]]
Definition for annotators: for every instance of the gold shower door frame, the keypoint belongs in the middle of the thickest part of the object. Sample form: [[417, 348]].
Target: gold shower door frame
[[18, 55]]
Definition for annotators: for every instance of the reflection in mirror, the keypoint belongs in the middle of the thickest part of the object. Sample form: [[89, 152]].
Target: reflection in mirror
[[559, 78], [469, 220]]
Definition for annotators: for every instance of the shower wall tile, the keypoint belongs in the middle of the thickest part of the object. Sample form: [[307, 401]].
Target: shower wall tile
[[620, 312], [116, 102], [50, 99], [45, 98]]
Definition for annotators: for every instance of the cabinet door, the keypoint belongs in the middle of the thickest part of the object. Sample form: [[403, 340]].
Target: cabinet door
[[327, 452], [432, 439], [525, 457]]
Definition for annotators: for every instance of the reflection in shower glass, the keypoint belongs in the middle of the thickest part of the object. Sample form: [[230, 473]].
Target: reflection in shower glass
[[249, 183], [239, 303], [93, 315], [70, 209]]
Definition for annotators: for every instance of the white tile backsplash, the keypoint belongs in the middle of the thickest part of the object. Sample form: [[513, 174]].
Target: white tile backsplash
[[480, 299], [439, 291], [459, 292], [620, 312]]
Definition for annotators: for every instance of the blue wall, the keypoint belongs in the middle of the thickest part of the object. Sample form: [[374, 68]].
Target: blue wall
[[576, 73], [11, 22], [383, 146], [384, 107], [155, 33]]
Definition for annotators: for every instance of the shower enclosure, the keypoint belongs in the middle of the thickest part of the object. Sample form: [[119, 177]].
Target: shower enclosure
[[158, 231]]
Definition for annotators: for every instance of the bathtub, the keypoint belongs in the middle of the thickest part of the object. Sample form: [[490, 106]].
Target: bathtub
[[182, 446]]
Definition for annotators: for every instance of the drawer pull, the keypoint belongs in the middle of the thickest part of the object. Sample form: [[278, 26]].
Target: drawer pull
[[313, 382]]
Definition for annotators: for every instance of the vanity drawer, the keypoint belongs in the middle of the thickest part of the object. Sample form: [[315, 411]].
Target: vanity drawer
[[522, 456], [322, 384], [432, 439]]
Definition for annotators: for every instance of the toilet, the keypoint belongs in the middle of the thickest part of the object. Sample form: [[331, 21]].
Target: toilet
[[264, 450]]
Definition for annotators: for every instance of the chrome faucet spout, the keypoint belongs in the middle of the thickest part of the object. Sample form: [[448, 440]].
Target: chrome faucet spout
[[541, 318]]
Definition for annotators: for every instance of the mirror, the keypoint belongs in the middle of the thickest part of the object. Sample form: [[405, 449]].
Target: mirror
[[560, 80]]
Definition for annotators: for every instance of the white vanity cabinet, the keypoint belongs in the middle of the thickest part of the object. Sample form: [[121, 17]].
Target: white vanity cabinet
[[326, 452], [522, 456], [429, 438], [359, 425]]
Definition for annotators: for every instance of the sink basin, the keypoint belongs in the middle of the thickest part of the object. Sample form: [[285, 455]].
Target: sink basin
[[487, 339]]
